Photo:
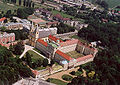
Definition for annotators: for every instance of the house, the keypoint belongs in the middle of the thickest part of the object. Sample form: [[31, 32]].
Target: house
[[42, 22], [14, 26], [6, 39], [55, 48], [59, 18], [43, 12], [2, 20]]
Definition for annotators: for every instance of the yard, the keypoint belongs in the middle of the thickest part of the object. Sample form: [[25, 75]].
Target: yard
[[74, 54], [62, 14], [35, 56]]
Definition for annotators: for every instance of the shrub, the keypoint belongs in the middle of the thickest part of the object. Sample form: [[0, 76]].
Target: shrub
[[72, 73], [78, 73], [67, 77]]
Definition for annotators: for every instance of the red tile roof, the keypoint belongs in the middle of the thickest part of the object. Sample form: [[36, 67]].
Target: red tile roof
[[42, 42], [35, 72], [54, 38], [58, 16], [84, 58], [63, 55], [66, 19], [61, 18], [2, 19]]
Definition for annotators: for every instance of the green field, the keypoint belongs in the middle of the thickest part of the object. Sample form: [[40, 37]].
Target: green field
[[4, 7], [57, 82], [111, 3], [35, 56], [62, 14]]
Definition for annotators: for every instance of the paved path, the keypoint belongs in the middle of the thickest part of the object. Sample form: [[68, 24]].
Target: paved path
[[59, 74], [27, 47], [41, 55]]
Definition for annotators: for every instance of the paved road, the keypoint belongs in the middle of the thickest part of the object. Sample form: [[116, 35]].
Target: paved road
[[59, 74]]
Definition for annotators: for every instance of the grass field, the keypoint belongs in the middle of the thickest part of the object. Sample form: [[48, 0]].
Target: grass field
[[35, 56], [4, 7], [111, 3], [74, 54], [57, 82], [63, 14]]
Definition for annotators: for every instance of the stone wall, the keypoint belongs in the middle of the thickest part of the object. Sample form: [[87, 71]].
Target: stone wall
[[84, 61], [68, 48], [42, 48]]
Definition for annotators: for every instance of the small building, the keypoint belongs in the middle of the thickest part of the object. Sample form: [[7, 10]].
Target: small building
[[2, 20], [59, 18], [6, 39], [14, 26]]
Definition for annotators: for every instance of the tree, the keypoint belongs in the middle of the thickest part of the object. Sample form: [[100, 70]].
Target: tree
[[19, 2], [19, 47], [24, 3], [45, 62], [28, 59], [33, 4], [104, 4]]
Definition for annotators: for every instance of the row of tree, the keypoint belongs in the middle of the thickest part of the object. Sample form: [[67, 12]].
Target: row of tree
[[25, 3], [63, 28]]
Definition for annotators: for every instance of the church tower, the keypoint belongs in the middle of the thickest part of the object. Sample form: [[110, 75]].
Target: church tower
[[33, 35]]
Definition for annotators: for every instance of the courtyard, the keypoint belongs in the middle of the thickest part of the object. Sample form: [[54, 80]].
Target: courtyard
[[74, 54]]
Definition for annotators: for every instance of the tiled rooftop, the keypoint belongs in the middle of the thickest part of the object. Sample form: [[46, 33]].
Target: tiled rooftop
[[63, 55], [42, 42], [54, 38], [2, 19]]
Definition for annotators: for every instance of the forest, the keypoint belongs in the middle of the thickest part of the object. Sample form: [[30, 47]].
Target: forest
[[106, 64]]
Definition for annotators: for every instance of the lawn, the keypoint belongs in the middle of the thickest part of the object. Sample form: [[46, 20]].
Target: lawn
[[35, 56], [62, 14], [74, 54], [56, 81]]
